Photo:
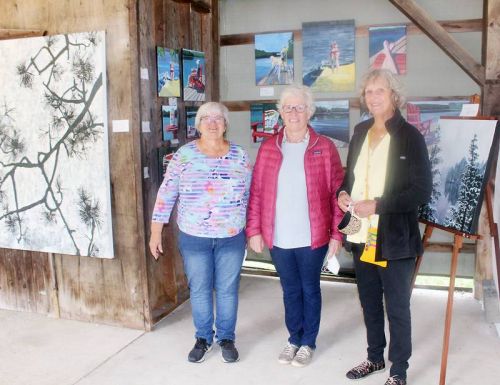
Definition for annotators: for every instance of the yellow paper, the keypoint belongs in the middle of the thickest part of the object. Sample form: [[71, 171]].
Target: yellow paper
[[368, 255]]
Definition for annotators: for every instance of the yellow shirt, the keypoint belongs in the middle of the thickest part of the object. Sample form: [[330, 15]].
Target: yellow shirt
[[369, 171]]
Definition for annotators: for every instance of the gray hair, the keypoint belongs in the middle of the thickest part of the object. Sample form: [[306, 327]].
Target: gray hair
[[303, 92], [209, 107], [395, 85]]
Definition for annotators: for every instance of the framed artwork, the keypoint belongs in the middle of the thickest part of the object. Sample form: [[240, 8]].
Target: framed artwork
[[165, 154], [167, 62], [387, 46], [169, 121], [191, 131], [54, 161], [461, 158], [265, 120], [328, 56], [425, 115], [193, 75], [332, 119], [274, 58]]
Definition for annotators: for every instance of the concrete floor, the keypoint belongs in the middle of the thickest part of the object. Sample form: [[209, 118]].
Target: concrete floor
[[38, 350]]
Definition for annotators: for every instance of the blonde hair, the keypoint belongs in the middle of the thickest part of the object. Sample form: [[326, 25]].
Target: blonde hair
[[393, 82]]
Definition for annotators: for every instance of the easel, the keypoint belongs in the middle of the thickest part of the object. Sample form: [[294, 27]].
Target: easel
[[458, 238]]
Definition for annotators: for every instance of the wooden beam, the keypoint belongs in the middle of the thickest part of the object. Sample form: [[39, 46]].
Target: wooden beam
[[452, 26], [19, 33], [443, 39]]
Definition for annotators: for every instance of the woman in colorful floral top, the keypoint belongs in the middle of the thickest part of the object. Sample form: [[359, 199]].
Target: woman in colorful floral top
[[210, 177]]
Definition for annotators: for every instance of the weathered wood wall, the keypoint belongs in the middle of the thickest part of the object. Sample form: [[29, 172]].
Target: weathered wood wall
[[174, 25], [131, 290], [106, 291]]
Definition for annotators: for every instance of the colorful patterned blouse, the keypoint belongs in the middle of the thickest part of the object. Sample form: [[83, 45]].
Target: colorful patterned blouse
[[213, 192]]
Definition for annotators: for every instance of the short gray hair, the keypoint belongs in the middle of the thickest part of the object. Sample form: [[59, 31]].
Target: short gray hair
[[301, 91], [395, 85], [209, 107]]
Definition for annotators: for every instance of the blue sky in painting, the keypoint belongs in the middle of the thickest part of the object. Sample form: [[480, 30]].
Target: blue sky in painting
[[272, 42]]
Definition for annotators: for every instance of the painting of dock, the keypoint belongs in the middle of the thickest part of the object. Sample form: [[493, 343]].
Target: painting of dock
[[332, 119], [328, 56], [193, 75], [387, 46], [167, 61], [274, 58]]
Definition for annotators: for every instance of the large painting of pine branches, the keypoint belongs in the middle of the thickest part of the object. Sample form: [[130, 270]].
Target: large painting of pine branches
[[54, 164], [460, 155]]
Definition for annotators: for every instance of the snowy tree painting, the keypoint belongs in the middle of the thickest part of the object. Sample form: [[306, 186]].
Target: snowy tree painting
[[460, 158], [54, 164]]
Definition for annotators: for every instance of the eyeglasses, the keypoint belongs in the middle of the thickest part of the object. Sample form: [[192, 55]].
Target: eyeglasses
[[208, 119], [299, 108]]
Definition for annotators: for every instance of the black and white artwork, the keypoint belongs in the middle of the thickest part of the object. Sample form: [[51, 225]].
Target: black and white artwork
[[54, 163], [460, 155]]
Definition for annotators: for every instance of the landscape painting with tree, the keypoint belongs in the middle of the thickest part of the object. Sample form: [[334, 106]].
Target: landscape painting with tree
[[461, 158], [274, 58], [54, 163]]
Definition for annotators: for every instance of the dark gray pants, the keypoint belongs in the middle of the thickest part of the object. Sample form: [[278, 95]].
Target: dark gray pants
[[393, 284]]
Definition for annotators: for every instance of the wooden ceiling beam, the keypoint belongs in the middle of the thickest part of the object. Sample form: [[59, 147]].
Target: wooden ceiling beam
[[19, 33], [422, 19]]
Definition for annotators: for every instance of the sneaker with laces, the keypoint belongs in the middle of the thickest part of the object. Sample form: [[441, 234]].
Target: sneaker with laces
[[364, 369], [288, 353], [199, 351], [303, 357], [395, 380], [229, 351]]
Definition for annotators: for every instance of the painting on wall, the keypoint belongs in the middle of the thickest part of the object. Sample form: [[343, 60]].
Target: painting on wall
[[191, 131], [332, 119], [265, 120], [425, 114], [461, 158], [193, 75], [387, 46], [168, 65], [169, 121], [274, 58], [328, 56], [54, 162]]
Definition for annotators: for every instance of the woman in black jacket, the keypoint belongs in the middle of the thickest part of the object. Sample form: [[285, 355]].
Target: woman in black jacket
[[388, 177]]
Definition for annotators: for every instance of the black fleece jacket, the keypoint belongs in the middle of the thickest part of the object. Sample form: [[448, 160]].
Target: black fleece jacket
[[408, 185]]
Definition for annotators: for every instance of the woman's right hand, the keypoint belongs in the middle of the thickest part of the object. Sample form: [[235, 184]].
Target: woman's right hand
[[344, 200], [155, 245], [256, 243]]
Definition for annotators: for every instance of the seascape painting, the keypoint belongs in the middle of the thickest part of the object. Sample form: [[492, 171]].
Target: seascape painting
[[55, 191], [332, 119], [191, 131], [169, 122], [328, 56], [274, 58], [265, 120], [461, 157], [425, 114], [387, 46], [167, 62], [193, 75]]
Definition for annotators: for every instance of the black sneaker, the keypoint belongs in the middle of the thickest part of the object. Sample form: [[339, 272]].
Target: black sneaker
[[229, 351], [364, 369], [199, 351], [395, 380]]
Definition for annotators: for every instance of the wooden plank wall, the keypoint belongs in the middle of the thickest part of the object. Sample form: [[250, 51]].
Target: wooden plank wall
[[104, 291], [172, 25]]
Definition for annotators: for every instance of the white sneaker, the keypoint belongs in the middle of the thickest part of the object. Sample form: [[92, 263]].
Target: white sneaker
[[303, 357], [288, 353]]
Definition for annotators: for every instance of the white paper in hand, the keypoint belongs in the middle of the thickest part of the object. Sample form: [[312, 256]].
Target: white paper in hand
[[333, 265]]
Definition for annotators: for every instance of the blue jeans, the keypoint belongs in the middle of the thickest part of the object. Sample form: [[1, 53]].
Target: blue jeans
[[213, 264], [299, 270]]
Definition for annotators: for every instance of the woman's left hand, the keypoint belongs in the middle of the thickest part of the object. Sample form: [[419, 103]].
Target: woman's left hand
[[365, 208], [333, 247]]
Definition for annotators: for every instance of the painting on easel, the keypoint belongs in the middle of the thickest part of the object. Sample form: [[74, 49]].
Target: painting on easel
[[461, 156]]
